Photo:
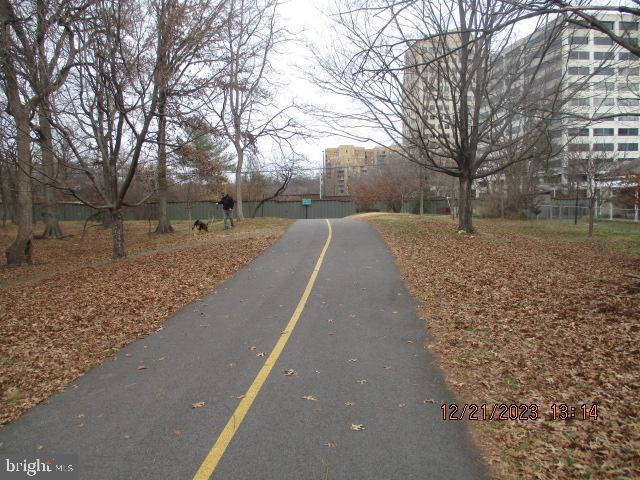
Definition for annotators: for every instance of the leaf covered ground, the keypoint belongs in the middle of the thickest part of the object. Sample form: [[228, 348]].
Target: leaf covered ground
[[74, 307], [533, 313]]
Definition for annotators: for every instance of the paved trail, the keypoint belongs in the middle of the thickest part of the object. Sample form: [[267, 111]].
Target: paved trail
[[358, 324]]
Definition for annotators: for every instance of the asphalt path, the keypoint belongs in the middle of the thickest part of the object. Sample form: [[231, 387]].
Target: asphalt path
[[356, 357]]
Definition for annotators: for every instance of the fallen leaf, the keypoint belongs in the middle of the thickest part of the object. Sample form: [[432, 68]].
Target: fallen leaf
[[252, 348], [357, 427], [142, 366], [261, 354], [353, 360], [310, 397], [428, 400], [349, 404], [362, 382], [329, 444], [197, 405], [289, 372]]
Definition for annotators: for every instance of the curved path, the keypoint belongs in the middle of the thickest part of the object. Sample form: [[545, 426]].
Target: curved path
[[358, 357]]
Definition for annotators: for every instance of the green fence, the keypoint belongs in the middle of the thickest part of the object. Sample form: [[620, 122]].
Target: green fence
[[210, 210]]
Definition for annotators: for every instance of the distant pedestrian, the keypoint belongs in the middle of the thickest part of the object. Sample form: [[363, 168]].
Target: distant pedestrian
[[227, 207]]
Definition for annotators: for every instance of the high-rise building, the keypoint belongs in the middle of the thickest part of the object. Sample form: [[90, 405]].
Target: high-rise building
[[591, 85], [345, 163], [599, 85]]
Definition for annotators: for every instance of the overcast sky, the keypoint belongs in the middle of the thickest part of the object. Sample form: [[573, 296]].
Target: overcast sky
[[309, 19]]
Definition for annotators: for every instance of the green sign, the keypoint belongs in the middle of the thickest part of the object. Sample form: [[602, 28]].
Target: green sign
[[306, 201]]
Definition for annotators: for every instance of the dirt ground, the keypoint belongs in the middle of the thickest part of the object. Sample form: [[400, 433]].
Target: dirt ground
[[535, 314], [74, 307]]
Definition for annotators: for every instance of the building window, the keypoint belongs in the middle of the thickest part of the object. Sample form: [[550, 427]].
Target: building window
[[580, 102], [627, 87], [629, 71], [628, 132], [605, 71], [603, 147], [578, 132], [609, 25], [628, 26], [626, 56], [604, 56], [579, 56], [628, 118], [604, 102], [604, 86], [627, 147], [602, 41], [578, 70], [628, 102], [579, 40], [578, 147], [603, 132]]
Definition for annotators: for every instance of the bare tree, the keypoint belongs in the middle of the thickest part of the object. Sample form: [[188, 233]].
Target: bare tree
[[280, 173], [585, 13], [38, 51], [110, 102], [447, 83], [7, 166], [246, 111], [187, 33], [588, 169]]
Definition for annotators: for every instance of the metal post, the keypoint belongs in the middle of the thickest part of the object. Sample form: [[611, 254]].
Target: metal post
[[610, 205], [575, 214]]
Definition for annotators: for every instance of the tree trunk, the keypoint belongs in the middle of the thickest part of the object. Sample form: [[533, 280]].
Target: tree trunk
[[164, 225], [6, 195], [238, 205], [465, 210], [51, 226], [591, 205], [20, 250], [117, 234]]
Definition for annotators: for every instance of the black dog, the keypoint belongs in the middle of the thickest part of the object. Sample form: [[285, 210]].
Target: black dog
[[200, 225]]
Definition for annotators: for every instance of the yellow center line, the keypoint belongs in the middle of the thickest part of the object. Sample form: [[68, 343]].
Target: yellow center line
[[215, 454]]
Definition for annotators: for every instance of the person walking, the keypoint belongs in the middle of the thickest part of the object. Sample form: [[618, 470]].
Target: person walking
[[227, 207]]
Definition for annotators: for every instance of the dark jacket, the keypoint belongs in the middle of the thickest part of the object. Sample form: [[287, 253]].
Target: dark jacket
[[226, 202]]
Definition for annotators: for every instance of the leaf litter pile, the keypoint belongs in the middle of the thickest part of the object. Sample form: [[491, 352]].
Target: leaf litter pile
[[523, 320], [54, 329]]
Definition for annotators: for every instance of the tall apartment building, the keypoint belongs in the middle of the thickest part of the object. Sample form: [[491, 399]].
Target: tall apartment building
[[347, 162], [593, 84], [599, 85], [429, 104]]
